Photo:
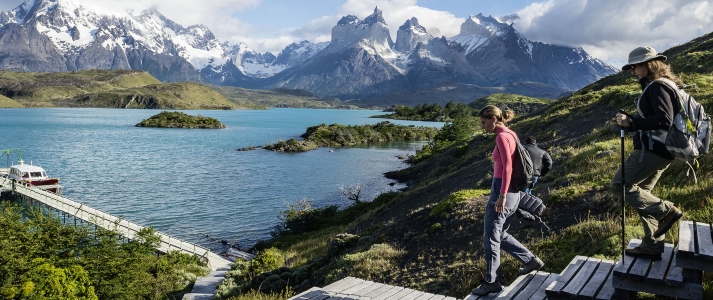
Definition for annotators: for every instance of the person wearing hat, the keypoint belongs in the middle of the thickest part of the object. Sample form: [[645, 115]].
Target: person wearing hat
[[655, 111]]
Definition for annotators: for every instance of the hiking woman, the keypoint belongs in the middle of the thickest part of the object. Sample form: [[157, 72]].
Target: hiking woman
[[502, 204], [655, 107]]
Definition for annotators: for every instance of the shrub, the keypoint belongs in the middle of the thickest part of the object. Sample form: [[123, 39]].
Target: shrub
[[445, 206]]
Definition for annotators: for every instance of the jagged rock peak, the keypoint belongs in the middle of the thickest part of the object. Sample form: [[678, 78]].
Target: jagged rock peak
[[348, 20], [409, 35], [412, 24], [482, 25], [374, 18]]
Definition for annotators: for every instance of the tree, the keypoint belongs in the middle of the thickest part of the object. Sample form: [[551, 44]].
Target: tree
[[352, 192]]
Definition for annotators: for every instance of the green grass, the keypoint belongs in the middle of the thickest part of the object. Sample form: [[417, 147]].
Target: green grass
[[110, 89], [444, 207], [6, 102]]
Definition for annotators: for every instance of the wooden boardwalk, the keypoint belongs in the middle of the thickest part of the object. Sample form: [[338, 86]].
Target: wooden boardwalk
[[107, 221], [359, 289]]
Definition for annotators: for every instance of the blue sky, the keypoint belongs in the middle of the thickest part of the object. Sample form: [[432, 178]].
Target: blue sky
[[606, 29]]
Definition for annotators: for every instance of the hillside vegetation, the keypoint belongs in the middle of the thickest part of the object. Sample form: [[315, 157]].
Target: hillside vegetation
[[342, 135], [437, 113], [276, 98], [429, 237], [107, 88], [41, 257], [6, 102]]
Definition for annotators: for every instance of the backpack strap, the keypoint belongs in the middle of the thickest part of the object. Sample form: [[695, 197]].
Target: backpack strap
[[650, 133]]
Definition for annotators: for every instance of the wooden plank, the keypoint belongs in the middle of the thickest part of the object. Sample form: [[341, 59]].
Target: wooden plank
[[620, 269], [686, 246], [639, 269], [554, 289], [532, 287], [343, 284], [658, 269], [691, 263], [358, 286], [541, 293], [607, 291], [368, 289], [425, 296], [581, 278], [388, 293], [450, 298], [704, 241], [438, 297], [675, 275], [413, 295], [380, 290], [686, 291], [598, 278], [400, 294], [471, 297], [514, 288], [308, 294]]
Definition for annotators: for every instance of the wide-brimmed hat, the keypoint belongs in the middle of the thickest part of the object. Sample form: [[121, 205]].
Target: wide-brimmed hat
[[642, 54]]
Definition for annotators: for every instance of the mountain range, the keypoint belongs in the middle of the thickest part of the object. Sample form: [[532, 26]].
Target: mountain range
[[360, 62]]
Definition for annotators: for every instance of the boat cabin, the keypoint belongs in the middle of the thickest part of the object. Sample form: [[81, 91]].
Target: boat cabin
[[27, 173]]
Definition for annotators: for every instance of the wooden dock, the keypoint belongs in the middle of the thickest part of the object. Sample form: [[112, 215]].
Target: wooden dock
[[107, 221]]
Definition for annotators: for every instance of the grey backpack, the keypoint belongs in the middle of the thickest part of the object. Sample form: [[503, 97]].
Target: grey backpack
[[690, 134]]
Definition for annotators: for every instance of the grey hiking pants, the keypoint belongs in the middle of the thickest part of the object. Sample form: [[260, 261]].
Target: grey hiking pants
[[495, 236], [641, 177]]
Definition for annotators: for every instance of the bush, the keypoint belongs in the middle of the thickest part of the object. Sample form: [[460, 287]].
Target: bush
[[445, 206], [41, 257]]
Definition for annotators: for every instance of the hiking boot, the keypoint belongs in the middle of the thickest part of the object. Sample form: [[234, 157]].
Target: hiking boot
[[641, 253], [487, 288], [674, 214], [533, 265]]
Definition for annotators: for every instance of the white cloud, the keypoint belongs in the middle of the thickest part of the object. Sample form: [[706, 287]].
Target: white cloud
[[609, 29], [396, 12]]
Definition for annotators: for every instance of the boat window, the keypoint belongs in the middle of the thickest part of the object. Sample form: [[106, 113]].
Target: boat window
[[25, 175], [44, 174], [36, 174]]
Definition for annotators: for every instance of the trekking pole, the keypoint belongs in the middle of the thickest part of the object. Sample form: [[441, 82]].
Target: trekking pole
[[623, 193]]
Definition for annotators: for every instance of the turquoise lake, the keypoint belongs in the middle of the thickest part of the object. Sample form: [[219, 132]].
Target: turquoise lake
[[193, 183]]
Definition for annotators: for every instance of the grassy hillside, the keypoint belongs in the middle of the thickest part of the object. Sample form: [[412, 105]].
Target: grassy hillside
[[443, 93], [429, 237], [276, 98], [517, 103], [107, 88], [6, 102], [181, 95]]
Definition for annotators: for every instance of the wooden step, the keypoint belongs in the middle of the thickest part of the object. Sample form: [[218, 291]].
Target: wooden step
[[355, 289], [695, 246], [659, 277], [584, 278]]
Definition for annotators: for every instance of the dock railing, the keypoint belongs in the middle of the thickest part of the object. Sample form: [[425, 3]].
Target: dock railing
[[107, 221]]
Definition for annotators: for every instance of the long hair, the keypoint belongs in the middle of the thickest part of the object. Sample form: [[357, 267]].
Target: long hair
[[493, 111], [659, 69]]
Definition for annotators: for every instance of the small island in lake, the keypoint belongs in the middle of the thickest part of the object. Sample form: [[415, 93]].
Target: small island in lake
[[176, 119], [340, 135]]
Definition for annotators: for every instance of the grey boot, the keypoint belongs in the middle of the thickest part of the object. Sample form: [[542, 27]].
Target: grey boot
[[533, 265], [487, 288]]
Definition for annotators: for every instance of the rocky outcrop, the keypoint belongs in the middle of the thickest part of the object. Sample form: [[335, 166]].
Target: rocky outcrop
[[409, 35]]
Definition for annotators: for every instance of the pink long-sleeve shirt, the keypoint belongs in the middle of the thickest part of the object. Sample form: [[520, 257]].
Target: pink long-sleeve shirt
[[503, 156]]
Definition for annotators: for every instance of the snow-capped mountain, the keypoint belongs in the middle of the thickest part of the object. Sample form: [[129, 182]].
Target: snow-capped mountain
[[62, 35], [502, 54], [354, 64], [360, 61]]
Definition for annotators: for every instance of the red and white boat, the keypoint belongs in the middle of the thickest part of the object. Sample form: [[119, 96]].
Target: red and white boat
[[34, 175]]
